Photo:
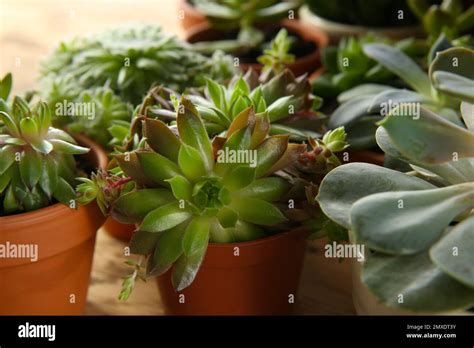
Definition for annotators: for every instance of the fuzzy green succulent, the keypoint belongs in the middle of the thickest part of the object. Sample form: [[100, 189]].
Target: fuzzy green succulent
[[287, 100], [37, 166], [360, 107], [347, 66], [244, 16], [191, 191], [130, 59], [419, 224]]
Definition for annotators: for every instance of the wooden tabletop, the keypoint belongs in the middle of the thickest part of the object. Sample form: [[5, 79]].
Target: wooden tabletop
[[29, 29]]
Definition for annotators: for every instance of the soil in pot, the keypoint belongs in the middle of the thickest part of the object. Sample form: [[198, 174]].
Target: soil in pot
[[252, 278], [47, 256], [306, 48]]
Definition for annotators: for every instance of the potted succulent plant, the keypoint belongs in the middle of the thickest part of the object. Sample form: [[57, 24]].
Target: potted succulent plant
[[341, 18], [47, 240], [360, 107], [201, 212], [245, 29], [421, 236]]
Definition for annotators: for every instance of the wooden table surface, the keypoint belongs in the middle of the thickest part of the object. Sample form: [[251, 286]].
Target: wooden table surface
[[29, 29]]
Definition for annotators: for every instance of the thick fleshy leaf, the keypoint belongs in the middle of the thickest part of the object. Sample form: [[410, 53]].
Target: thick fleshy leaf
[[467, 112], [186, 268], [385, 101], [131, 166], [227, 217], [290, 156], [280, 108], [161, 139], [29, 129], [260, 130], [193, 133], [5, 179], [454, 252], [240, 121], [400, 64], [346, 184], [132, 207], [350, 112], [196, 236], [244, 231], [168, 250], [63, 192], [257, 211], [181, 187], [216, 93], [269, 153], [407, 222], [454, 85], [44, 146], [164, 218], [367, 89], [5, 86], [157, 167], [219, 234], [455, 60], [268, 189], [239, 177], [30, 167], [49, 175], [143, 243], [65, 147], [10, 124], [418, 139], [7, 157], [191, 163], [424, 287]]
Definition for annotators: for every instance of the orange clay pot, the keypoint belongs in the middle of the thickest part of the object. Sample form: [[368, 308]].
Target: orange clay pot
[[190, 16], [261, 280], [309, 63], [57, 283], [118, 230]]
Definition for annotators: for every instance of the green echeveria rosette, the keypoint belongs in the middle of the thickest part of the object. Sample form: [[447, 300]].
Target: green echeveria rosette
[[131, 59], [189, 194], [37, 166]]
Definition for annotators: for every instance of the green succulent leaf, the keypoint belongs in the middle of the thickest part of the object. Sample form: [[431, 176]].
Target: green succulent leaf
[[143, 242], [64, 192], [181, 187], [157, 167], [454, 85], [257, 211], [348, 183], [161, 139], [5, 86], [191, 163], [269, 152], [132, 207], [453, 253], [418, 139], [425, 288], [408, 222], [196, 236], [401, 65], [30, 167], [165, 217], [7, 157], [186, 268], [66, 147]]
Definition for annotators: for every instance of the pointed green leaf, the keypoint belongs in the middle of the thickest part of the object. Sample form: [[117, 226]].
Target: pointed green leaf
[[196, 236], [161, 139], [63, 192], [257, 211], [7, 157], [65, 147], [181, 188], [30, 167], [5, 86], [269, 152], [143, 243], [239, 177], [164, 218], [268, 189], [191, 163], [157, 167], [186, 268]]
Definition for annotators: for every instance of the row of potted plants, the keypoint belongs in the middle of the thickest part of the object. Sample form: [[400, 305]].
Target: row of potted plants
[[216, 168]]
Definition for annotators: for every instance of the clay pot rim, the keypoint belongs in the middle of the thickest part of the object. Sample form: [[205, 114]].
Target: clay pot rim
[[56, 209], [309, 33]]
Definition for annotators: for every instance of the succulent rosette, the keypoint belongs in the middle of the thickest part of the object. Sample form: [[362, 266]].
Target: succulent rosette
[[191, 191], [37, 166]]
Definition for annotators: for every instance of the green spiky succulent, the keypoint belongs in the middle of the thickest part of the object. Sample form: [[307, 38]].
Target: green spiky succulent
[[277, 56], [245, 16], [191, 191], [287, 100], [131, 59], [37, 166], [419, 224]]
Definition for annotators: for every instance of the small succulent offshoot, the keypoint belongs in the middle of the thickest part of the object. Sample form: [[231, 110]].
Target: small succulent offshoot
[[37, 166], [278, 56]]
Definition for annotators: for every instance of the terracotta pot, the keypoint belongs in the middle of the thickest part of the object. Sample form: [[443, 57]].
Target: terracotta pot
[[118, 230], [190, 16], [57, 283], [336, 31], [302, 65], [261, 280]]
